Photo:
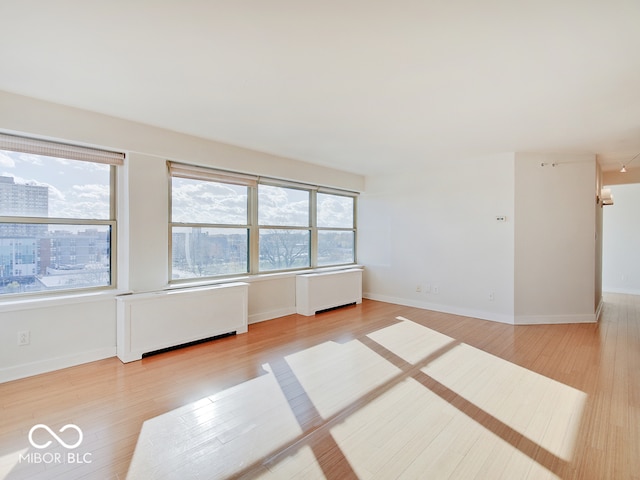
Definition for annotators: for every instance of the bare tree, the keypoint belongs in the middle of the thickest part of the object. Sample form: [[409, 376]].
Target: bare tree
[[282, 249]]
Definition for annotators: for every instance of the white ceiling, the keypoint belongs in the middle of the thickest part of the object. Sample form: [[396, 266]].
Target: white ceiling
[[364, 86]]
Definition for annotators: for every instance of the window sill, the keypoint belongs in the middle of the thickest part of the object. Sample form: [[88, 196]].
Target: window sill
[[26, 303], [46, 301], [261, 277]]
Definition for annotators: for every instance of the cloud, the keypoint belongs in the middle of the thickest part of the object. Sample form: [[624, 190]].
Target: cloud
[[335, 211], [6, 160], [80, 201], [96, 192], [30, 158], [208, 202], [280, 206]]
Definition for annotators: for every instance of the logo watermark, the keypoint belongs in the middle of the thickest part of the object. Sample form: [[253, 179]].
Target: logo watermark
[[56, 457], [51, 432]]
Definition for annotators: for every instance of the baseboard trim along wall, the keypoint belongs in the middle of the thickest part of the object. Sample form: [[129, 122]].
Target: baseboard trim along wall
[[625, 291], [494, 317], [264, 316], [555, 319], [51, 364], [463, 312]]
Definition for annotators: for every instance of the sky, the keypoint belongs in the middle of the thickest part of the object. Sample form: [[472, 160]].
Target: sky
[[196, 201], [77, 189]]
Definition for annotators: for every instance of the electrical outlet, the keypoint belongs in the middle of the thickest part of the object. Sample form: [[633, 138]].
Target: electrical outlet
[[436, 289], [427, 288], [24, 337], [491, 297]]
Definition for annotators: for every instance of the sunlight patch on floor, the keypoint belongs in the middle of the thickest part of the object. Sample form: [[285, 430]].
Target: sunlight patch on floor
[[334, 375], [221, 435], [10, 462], [410, 341], [409, 432], [543, 410], [301, 463]]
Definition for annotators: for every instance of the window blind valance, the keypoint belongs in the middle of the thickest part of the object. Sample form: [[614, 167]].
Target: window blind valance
[[47, 148], [335, 191], [194, 172], [274, 182]]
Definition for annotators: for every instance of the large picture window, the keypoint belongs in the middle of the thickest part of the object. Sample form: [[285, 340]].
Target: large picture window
[[209, 223], [285, 228], [229, 224], [210, 228], [57, 216]]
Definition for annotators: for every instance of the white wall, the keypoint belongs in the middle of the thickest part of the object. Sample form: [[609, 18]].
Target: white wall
[[63, 333], [68, 331], [621, 241], [555, 238], [437, 227]]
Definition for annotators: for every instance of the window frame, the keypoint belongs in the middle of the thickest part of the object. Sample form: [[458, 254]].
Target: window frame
[[302, 228], [353, 228], [69, 151], [254, 227], [192, 175]]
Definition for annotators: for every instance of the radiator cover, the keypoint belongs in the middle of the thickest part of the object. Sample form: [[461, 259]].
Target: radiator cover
[[156, 320], [325, 290]]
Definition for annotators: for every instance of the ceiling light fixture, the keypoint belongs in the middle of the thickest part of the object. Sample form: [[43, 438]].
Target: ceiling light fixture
[[624, 165]]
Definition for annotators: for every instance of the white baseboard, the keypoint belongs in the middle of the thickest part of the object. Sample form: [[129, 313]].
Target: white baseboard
[[463, 312], [555, 319], [43, 366], [625, 291], [494, 317], [264, 316]]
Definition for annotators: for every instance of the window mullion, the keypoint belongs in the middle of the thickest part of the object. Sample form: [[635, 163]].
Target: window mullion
[[313, 213], [113, 182], [355, 229], [254, 232]]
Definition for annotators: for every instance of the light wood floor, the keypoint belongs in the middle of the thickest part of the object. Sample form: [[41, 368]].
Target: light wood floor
[[371, 391]]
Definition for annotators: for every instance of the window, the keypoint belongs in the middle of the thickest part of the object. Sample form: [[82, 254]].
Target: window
[[209, 223], [210, 231], [226, 224], [57, 216], [285, 229], [336, 229]]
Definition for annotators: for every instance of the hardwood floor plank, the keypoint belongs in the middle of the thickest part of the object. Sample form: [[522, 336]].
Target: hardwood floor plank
[[370, 391]]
